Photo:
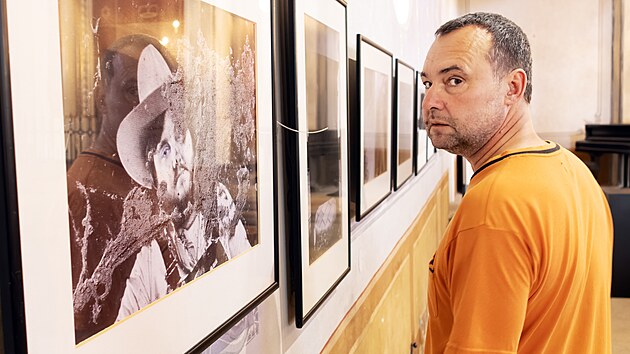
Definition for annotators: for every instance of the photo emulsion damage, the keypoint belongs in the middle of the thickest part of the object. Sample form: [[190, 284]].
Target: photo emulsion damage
[[161, 138]]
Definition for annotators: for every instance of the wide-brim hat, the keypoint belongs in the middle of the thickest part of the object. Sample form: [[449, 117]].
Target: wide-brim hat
[[155, 80]]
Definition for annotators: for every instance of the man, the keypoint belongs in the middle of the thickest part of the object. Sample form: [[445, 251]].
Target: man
[[157, 150], [525, 264], [97, 188]]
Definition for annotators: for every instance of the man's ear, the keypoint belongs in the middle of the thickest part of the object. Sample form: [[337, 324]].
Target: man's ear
[[99, 95], [517, 81]]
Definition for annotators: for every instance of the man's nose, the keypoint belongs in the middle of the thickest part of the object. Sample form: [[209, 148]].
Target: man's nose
[[177, 159], [433, 98]]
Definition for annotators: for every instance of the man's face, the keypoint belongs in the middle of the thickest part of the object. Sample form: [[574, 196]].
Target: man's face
[[464, 104], [173, 160], [121, 91]]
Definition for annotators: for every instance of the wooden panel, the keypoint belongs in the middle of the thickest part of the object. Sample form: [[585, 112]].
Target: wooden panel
[[422, 252], [359, 316], [389, 328], [385, 317]]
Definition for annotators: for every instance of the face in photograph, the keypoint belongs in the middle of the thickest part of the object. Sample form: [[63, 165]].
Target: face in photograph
[[121, 89], [173, 160]]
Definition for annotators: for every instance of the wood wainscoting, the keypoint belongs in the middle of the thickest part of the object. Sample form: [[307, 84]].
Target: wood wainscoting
[[390, 315]]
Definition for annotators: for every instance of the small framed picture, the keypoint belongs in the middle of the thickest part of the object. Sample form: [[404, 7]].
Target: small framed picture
[[145, 173], [374, 75], [402, 160], [420, 136], [317, 151]]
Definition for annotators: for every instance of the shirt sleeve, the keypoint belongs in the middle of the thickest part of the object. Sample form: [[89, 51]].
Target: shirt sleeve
[[146, 283], [490, 275]]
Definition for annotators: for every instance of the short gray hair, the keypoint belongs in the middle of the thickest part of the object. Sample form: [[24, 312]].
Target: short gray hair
[[510, 48]]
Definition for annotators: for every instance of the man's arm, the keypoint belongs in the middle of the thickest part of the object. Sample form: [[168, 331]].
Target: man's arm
[[490, 273]]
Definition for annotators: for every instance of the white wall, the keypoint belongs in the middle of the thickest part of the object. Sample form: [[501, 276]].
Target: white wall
[[405, 28], [572, 61]]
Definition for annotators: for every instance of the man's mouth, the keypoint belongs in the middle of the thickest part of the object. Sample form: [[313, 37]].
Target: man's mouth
[[436, 124]]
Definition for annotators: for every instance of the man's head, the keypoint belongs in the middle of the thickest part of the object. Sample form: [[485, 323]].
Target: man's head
[[510, 48], [117, 93], [477, 69], [154, 142], [172, 156]]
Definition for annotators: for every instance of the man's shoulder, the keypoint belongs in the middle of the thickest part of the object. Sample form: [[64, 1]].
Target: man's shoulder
[[97, 172]]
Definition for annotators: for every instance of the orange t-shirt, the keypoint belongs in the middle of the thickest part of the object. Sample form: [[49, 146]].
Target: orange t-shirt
[[526, 263]]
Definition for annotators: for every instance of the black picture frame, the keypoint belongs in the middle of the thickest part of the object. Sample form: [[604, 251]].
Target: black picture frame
[[316, 150], [371, 191], [403, 124], [22, 322], [420, 132], [12, 326]]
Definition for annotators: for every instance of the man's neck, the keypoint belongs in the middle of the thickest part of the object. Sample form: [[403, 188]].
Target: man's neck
[[188, 218], [516, 132], [106, 146]]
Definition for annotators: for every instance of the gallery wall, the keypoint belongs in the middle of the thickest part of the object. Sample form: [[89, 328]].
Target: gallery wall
[[571, 45], [405, 28]]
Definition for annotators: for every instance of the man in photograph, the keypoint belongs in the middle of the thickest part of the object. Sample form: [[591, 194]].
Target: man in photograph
[[97, 187], [157, 150]]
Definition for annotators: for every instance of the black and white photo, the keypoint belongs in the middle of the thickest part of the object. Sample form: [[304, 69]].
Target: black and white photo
[[317, 151], [375, 143], [403, 150], [375, 76], [322, 61], [161, 124]]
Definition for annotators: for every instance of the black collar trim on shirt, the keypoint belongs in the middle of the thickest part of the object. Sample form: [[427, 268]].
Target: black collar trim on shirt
[[546, 151], [108, 159]]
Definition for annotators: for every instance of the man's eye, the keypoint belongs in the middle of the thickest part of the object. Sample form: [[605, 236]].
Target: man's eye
[[132, 91], [454, 81], [165, 149], [427, 84]]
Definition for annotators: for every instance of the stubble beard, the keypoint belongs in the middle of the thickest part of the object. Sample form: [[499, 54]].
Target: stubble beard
[[466, 142], [179, 209]]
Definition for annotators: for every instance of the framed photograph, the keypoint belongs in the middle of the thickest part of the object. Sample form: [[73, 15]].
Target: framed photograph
[[145, 173], [374, 75], [402, 160], [420, 136], [317, 151]]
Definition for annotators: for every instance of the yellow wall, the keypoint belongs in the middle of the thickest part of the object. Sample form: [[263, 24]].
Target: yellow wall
[[390, 314]]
